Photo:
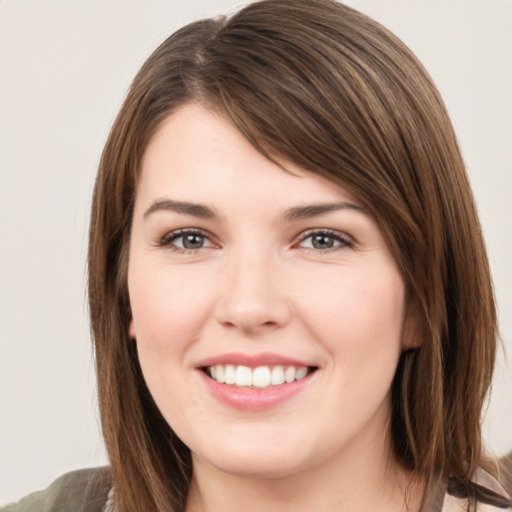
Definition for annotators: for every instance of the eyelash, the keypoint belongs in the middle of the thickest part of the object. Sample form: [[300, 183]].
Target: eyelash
[[169, 239], [344, 241]]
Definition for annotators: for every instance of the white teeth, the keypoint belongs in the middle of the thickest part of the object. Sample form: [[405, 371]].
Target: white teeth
[[289, 374], [219, 373], [243, 376], [260, 377], [229, 374], [277, 376], [301, 372]]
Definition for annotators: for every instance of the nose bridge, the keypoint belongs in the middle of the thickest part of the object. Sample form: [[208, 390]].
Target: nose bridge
[[251, 295]]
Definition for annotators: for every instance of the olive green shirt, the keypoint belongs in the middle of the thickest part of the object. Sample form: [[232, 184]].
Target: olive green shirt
[[87, 490]]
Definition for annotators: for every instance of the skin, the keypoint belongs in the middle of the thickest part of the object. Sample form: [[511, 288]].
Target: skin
[[259, 282]]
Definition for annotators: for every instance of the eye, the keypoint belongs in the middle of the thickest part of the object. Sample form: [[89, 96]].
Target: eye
[[186, 240], [324, 240]]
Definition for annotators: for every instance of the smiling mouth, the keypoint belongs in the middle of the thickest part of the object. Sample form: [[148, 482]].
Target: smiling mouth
[[259, 377]]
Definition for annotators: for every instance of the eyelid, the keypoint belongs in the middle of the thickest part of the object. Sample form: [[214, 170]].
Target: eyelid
[[346, 240], [166, 240]]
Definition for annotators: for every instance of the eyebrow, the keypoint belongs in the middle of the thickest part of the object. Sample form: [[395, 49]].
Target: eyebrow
[[315, 210], [205, 212], [194, 209]]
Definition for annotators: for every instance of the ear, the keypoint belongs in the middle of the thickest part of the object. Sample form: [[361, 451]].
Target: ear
[[131, 329], [411, 332]]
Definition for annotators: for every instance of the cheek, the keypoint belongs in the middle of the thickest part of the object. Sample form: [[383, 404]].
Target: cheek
[[357, 314], [168, 308]]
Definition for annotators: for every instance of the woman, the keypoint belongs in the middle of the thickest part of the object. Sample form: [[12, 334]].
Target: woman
[[289, 292]]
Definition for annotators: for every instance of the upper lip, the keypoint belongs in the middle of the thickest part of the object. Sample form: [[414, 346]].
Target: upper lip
[[252, 360]]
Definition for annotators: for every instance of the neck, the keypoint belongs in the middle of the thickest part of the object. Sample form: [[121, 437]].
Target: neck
[[348, 483]]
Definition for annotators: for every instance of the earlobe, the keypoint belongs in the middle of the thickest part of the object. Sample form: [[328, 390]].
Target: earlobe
[[132, 329]]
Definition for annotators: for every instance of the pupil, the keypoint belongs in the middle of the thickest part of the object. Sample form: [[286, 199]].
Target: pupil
[[322, 242], [193, 241]]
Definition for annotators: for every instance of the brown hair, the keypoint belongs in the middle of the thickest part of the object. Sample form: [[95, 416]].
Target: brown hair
[[325, 87]]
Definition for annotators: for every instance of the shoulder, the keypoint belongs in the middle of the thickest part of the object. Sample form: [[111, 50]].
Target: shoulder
[[494, 493], [506, 472], [85, 490]]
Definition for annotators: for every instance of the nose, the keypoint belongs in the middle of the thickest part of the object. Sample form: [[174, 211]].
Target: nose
[[253, 296]]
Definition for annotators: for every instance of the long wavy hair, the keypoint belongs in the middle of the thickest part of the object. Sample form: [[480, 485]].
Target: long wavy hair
[[321, 85]]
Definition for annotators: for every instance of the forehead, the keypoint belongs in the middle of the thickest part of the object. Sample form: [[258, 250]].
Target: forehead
[[201, 155]]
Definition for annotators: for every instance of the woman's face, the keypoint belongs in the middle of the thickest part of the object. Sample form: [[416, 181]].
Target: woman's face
[[277, 282]]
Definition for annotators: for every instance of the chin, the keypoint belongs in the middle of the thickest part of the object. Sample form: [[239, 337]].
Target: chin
[[271, 460], [259, 468]]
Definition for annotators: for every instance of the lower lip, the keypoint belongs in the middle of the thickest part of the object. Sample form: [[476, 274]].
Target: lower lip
[[254, 399]]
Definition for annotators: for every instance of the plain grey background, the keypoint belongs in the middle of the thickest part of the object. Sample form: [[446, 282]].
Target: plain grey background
[[65, 66]]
